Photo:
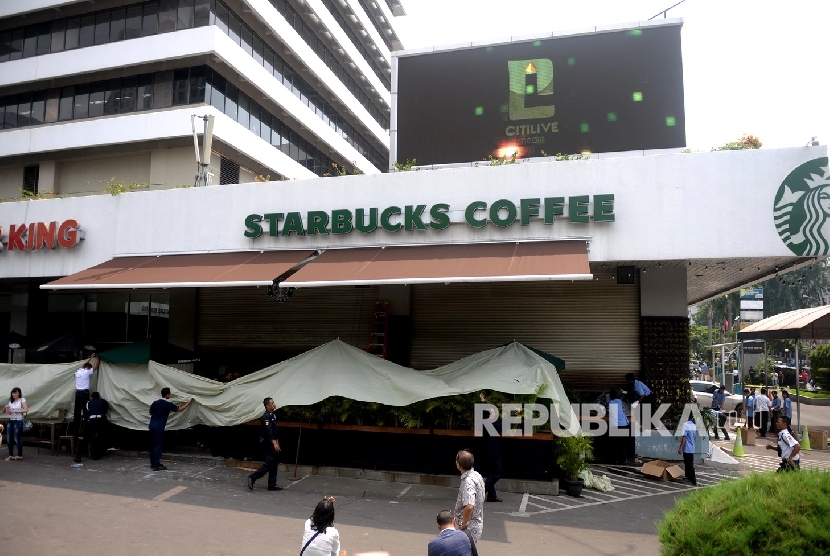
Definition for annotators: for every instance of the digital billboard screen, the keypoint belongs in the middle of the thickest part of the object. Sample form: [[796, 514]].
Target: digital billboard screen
[[600, 92]]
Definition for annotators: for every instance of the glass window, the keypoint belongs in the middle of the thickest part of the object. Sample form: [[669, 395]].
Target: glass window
[[87, 36], [279, 69], [201, 13], [243, 116], [106, 317], [44, 38], [247, 39], [102, 27], [231, 100], [144, 92], [234, 27], [30, 41], [258, 49], [132, 23], [197, 84], [217, 93], [112, 97], [66, 103], [268, 60], [24, 109], [288, 77], [2, 111], [265, 126], [81, 108], [96, 99], [53, 100], [150, 22], [128, 92], [159, 317], [276, 136], [167, 15], [11, 112], [5, 45], [180, 86], [65, 303], [185, 15], [16, 48], [118, 25], [73, 25], [58, 35], [294, 148], [254, 123], [222, 16], [139, 317], [38, 105], [163, 89]]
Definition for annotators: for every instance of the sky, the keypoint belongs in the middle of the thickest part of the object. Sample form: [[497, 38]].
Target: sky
[[749, 67]]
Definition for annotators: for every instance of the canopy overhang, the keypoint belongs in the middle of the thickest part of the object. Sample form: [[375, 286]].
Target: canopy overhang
[[803, 324], [426, 264], [208, 270]]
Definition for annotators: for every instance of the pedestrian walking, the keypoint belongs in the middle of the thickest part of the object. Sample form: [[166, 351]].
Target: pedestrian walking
[[16, 409], [160, 410], [687, 449], [270, 447], [786, 405], [450, 541], [750, 408], [469, 506], [94, 426], [320, 538], [718, 400], [762, 411], [788, 447], [492, 454]]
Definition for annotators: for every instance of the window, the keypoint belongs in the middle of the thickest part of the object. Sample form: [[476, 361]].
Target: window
[[243, 116], [38, 105], [96, 100], [180, 87], [81, 108], [201, 13], [73, 27], [58, 35], [234, 27], [228, 171], [150, 23], [87, 33], [132, 25], [163, 89], [67, 102], [30, 41], [44, 38], [255, 123], [11, 112], [268, 60], [265, 127], [231, 99], [30, 178], [167, 15], [276, 137], [5, 45], [102, 27], [222, 17], [144, 92], [24, 109], [258, 49], [112, 97], [185, 15], [16, 49], [217, 92], [128, 92], [246, 39], [118, 25], [197, 84]]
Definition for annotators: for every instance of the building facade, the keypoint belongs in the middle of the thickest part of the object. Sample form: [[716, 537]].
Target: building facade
[[99, 96]]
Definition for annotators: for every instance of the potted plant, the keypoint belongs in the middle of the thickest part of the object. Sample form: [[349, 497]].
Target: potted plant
[[573, 454]]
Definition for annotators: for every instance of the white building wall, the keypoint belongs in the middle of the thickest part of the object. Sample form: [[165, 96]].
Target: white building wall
[[11, 182], [173, 167], [89, 175]]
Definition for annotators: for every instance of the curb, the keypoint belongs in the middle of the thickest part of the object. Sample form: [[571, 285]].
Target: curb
[[450, 481]]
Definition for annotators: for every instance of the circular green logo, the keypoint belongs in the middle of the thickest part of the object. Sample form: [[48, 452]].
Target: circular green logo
[[802, 209]]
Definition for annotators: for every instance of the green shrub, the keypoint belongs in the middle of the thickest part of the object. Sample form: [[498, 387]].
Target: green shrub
[[822, 378], [820, 357], [763, 513]]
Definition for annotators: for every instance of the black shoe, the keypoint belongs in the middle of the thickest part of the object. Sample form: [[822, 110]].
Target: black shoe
[[493, 499], [275, 488], [727, 437], [160, 468], [155, 468], [250, 483], [77, 460]]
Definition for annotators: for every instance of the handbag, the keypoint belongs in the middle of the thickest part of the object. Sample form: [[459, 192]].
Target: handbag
[[27, 425], [309, 542]]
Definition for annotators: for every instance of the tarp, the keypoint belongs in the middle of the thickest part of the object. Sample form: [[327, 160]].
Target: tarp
[[333, 369]]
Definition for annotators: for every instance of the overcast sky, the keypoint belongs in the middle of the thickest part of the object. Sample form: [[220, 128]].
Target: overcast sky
[[749, 66]]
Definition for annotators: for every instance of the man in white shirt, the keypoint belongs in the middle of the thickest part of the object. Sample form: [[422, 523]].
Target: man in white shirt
[[762, 404], [82, 391]]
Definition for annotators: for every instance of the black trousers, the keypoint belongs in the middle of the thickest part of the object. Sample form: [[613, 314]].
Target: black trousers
[[81, 397], [93, 436], [622, 447], [722, 425], [494, 473], [272, 462], [764, 419], [689, 463], [156, 447]]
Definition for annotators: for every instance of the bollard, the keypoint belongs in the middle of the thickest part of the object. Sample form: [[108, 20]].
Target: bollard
[[738, 449]]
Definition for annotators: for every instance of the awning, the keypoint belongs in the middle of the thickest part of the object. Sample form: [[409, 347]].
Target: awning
[[804, 324], [184, 271], [424, 264]]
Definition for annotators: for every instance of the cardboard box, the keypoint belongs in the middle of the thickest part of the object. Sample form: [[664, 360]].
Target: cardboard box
[[818, 439], [748, 436], [663, 470]]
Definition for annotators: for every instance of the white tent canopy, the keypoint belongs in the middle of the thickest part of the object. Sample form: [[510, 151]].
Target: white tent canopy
[[333, 369]]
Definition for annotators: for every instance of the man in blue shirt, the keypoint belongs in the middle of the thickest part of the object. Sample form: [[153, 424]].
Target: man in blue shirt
[[450, 541], [159, 411], [750, 407], [637, 391], [621, 439], [718, 399], [687, 448]]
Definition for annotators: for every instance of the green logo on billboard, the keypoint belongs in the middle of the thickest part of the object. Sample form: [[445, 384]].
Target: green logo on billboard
[[530, 78], [802, 209]]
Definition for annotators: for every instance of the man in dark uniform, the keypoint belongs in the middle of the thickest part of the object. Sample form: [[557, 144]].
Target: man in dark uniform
[[270, 447], [159, 411], [492, 458], [95, 422]]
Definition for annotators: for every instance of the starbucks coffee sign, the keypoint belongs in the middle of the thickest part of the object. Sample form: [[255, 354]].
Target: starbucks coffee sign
[[802, 209], [478, 214]]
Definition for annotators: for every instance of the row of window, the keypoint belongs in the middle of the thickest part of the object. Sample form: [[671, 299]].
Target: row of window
[[308, 35], [380, 31], [240, 107], [164, 16], [341, 21], [161, 90]]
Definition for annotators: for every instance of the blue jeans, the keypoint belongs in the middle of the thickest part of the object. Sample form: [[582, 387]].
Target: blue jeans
[[15, 428], [156, 446]]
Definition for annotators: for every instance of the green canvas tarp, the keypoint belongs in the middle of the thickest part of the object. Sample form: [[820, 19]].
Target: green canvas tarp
[[333, 369]]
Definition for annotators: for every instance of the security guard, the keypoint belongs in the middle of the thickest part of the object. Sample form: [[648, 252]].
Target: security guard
[[270, 447], [95, 422]]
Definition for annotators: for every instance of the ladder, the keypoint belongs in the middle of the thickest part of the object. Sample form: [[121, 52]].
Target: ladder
[[379, 336]]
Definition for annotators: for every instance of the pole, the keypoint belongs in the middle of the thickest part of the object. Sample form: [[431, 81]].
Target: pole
[[294, 477], [722, 362], [798, 400]]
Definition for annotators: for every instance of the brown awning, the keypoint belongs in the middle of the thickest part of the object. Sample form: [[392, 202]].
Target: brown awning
[[249, 268], [423, 264], [805, 324]]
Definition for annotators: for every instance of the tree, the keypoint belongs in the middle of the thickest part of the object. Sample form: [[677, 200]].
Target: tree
[[698, 341], [745, 142]]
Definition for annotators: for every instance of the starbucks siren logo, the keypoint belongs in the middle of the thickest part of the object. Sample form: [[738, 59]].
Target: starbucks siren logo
[[802, 209]]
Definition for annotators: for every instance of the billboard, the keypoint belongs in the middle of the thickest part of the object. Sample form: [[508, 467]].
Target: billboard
[[607, 91], [752, 293]]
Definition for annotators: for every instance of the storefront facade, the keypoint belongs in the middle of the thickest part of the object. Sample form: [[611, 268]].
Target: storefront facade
[[651, 233]]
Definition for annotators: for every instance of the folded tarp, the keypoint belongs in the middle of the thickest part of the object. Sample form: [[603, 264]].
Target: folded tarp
[[333, 369]]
